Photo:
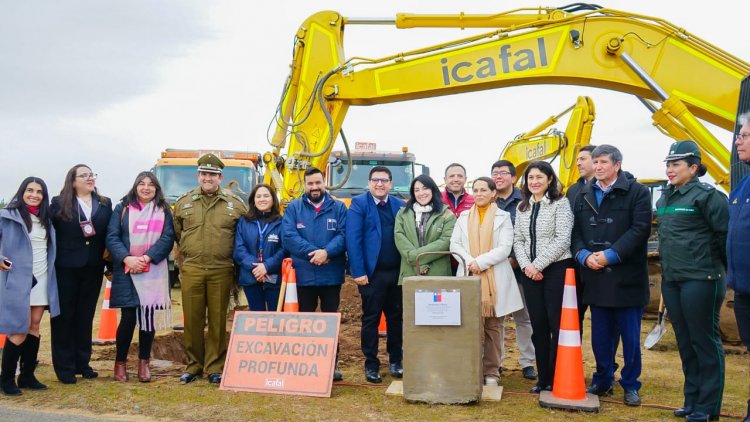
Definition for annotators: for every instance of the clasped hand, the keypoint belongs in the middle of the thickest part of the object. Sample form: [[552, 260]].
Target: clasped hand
[[260, 272], [597, 261], [137, 264], [531, 272], [319, 257]]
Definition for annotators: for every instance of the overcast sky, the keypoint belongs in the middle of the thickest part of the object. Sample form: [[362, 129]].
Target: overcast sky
[[111, 84]]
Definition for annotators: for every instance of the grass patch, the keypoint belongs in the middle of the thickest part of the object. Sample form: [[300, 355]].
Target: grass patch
[[166, 399]]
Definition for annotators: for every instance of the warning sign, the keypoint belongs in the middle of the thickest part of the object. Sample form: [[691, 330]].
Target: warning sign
[[282, 353]]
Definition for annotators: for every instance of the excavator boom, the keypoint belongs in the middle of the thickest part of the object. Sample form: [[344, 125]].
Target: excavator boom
[[584, 45]]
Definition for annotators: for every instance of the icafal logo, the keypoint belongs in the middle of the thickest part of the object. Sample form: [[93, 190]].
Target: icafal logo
[[507, 61], [275, 382]]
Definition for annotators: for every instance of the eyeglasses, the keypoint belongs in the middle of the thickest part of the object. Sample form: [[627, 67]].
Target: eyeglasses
[[742, 137], [376, 180], [87, 176], [500, 173]]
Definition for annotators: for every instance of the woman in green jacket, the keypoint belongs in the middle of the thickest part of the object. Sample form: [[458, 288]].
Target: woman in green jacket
[[424, 225], [692, 222]]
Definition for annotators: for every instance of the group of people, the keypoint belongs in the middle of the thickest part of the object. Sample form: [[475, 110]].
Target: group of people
[[519, 242]]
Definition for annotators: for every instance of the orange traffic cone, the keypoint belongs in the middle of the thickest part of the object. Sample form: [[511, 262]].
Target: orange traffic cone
[[286, 265], [290, 298], [107, 320], [382, 330], [569, 386]]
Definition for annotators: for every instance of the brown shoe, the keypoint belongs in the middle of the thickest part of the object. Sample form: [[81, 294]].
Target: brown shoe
[[121, 372], [144, 373]]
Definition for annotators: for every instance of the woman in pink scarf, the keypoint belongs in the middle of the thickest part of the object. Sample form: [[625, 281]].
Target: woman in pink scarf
[[139, 237]]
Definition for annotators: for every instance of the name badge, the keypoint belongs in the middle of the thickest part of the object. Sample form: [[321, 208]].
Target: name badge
[[300, 225], [331, 224]]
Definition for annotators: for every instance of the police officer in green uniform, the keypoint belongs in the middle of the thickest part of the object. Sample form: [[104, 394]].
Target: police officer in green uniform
[[204, 223], [692, 225]]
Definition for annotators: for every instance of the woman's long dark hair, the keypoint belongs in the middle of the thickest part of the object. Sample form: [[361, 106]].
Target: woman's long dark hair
[[17, 204], [68, 193], [132, 195], [437, 202], [253, 213], [553, 192]]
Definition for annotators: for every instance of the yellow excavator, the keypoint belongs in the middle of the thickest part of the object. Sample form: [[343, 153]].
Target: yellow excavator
[[554, 144], [684, 78], [545, 142]]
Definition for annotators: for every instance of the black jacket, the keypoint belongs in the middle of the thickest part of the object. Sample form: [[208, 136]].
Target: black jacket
[[123, 293], [573, 190], [73, 249], [622, 222]]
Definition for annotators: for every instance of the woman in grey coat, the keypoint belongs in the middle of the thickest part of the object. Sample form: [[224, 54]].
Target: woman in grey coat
[[28, 284]]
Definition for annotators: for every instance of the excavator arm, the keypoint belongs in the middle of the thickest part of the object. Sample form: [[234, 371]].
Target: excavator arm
[[553, 144], [604, 48]]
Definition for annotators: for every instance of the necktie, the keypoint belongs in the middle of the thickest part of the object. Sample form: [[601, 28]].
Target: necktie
[[381, 203]]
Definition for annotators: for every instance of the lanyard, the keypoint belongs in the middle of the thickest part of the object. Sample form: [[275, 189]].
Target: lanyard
[[261, 233]]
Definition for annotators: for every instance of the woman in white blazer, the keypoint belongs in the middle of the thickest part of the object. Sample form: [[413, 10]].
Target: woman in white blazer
[[544, 223], [483, 237]]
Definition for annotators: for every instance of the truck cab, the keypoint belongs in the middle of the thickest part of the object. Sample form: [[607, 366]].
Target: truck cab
[[177, 170], [365, 156]]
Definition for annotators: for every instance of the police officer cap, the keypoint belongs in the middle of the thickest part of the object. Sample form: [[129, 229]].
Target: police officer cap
[[210, 163], [683, 149]]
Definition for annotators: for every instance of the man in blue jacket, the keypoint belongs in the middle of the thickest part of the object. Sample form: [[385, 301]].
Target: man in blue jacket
[[313, 234], [738, 264], [374, 262]]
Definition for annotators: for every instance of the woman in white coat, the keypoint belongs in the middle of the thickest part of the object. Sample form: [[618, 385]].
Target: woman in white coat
[[544, 222], [483, 237]]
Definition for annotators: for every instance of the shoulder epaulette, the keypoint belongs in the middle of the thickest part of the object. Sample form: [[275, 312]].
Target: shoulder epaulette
[[706, 186]]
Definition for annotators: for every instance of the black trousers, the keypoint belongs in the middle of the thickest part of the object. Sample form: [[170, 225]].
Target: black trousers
[[329, 297], [128, 319], [78, 289], [544, 302], [382, 295], [742, 313]]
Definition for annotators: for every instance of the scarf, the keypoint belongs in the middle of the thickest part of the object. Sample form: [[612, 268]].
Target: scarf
[[33, 209], [421, 215], [145, 227], [480, 241], [419, 210]]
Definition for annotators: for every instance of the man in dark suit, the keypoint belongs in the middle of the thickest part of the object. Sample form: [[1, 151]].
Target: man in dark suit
[[612, 225], [374, 263]]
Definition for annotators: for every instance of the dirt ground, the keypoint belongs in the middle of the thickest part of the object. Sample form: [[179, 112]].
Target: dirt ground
[[353, 399]]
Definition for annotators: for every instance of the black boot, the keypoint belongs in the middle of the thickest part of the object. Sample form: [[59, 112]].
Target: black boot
[[11, 353], [29, 353]]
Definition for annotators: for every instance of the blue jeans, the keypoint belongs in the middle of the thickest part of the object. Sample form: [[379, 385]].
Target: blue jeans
[[262, 296], [605, 322]]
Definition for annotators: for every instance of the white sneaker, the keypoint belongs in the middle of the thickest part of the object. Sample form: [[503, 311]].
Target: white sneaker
[[491, 381]]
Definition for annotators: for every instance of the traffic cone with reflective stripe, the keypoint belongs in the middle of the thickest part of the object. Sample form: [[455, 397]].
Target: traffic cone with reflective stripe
[[569, 386], [286, 265], [382, 328], [107, 320], [290, 298]]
